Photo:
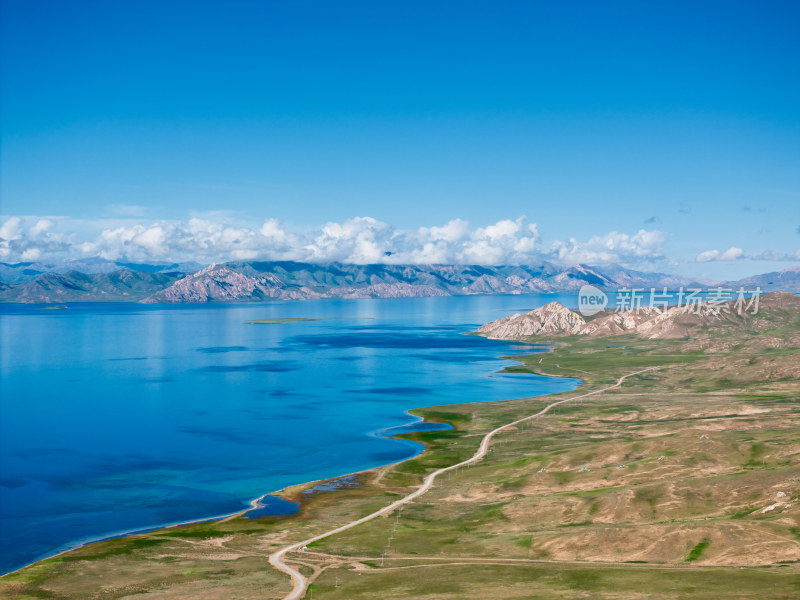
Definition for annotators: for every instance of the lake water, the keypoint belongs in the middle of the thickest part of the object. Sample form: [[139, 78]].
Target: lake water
[[117, 417]]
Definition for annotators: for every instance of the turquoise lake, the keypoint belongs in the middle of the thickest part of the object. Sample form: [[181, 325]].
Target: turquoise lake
[[117, 417]]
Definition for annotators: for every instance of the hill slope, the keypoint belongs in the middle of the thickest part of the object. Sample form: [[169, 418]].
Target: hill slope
[[122, 285], [555, 320]]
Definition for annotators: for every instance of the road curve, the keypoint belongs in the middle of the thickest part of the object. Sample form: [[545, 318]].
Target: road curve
[[300, 583]]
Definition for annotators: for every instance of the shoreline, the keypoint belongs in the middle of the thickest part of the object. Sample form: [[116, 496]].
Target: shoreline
[[300, 582], [254, 504], [280, 492]]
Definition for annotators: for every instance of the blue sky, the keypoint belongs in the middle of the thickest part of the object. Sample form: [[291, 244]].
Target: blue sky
[[159, 130]]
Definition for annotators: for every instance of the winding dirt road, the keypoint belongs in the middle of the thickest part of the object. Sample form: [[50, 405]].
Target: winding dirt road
[[300, 583]]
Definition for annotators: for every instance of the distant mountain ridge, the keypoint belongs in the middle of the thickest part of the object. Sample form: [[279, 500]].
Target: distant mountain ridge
[[96, 280], [122, 285], [253, 281], [13, 273]]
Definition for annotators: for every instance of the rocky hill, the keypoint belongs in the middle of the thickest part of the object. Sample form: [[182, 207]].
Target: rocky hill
[[219, 283], [552, 319], [776, 309]]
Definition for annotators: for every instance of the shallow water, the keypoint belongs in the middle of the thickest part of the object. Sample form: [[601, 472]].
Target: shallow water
[[121, 416]]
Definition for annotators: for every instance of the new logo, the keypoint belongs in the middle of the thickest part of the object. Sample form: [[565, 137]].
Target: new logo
[[591, 300]]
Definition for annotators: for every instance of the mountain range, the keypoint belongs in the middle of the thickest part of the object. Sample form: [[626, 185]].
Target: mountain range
[[98, 280]]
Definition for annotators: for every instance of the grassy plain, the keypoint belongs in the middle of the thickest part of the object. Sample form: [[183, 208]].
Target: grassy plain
[[707, 504]]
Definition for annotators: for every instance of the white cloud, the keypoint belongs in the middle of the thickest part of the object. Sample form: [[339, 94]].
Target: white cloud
[[219, 237], [507, 241], [367, 240], [272, 230], [641, 247], [31, 254], [28, 239], [359, 240], [41, 226], [731, 254], [734, 253], [11, 229], [707, 256], [776, 256], [451, 232]]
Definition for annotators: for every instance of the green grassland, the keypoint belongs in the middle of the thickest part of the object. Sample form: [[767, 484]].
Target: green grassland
[[706, 506]]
